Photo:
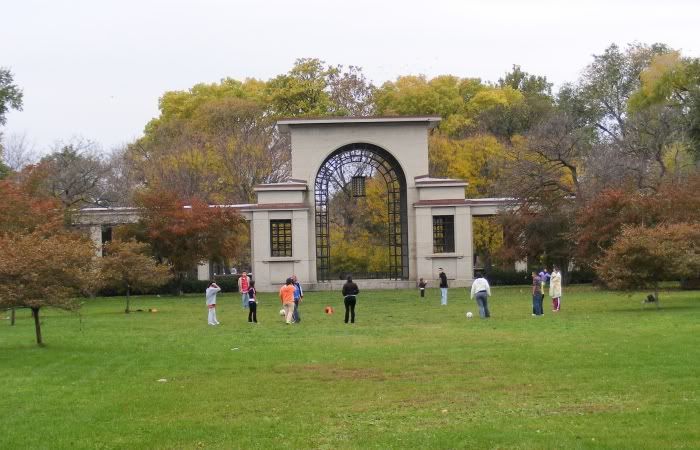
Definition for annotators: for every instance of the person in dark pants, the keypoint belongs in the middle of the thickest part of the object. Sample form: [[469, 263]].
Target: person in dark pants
[[536, 295], [350, 291], [421, 285], [481, 291], [252, 304], [298, 297]]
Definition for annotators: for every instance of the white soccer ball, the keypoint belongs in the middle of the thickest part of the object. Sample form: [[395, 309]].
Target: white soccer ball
[[282, 312], [469, 315]]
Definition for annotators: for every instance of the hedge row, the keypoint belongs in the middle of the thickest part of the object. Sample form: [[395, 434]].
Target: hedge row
[[513, 278], [227, 283]]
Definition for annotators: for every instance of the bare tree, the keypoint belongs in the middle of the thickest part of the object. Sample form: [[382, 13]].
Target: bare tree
[[76, 174], [18, 151], [549, 161]]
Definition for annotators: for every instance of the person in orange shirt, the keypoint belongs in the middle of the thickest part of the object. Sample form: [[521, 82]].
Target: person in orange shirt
[[287, 298]]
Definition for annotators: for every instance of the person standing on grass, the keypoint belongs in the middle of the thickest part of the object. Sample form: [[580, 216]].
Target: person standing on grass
[[252, 304], [287, 298], [298, 296], [555, 288], [443, 287], [210, 294], [482, 291], [350, 292], [544, 276], [421, 285], [243, 286], [536, 295]]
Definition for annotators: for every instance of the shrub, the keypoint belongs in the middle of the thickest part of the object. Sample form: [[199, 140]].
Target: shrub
[[642, 257], [498, 277]]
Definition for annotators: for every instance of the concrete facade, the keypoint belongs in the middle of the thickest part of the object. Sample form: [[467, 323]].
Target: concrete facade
[[313, 140]]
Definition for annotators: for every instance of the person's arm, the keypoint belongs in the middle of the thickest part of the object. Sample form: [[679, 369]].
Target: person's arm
[[488, 289], [473, 289]]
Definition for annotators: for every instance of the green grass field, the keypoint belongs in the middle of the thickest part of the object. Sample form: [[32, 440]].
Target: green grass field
[[602, 373]]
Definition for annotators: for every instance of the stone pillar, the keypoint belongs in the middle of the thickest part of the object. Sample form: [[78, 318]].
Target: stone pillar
[[95, 232], [203, 270], [464, 244], [260, 242]]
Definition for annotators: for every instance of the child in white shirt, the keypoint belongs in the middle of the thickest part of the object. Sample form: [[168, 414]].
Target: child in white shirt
[[212, 290]]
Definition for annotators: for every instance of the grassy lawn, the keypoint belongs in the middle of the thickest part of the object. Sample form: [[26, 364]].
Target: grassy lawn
[[602, 373]]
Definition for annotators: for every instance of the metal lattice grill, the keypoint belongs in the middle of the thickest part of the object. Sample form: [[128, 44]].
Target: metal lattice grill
[[340, 169]]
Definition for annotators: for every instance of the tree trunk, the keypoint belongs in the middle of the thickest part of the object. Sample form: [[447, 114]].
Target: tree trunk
[[37, 326], [127, 300], [12, 317]]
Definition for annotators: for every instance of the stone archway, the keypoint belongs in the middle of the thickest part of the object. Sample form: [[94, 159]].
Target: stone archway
[[350, 165]]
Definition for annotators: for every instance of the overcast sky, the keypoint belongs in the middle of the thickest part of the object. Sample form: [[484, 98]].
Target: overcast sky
[[96, 68]]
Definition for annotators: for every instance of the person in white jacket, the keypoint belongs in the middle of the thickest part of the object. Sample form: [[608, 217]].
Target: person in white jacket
[[211, 292], [482, 291], [555, 288]]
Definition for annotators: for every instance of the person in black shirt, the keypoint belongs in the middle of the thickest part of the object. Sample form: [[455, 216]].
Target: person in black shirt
[[350, 291]]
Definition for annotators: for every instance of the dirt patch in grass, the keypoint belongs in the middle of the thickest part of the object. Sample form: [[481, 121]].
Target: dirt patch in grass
[[330, 373], [585, 408]]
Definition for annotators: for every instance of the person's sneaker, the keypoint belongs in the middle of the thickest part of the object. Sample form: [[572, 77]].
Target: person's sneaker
[[533, 315]]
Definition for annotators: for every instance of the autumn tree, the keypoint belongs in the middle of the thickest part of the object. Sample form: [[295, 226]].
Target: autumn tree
[[638, 137], [670, 86], [216, 141], [642, 257], [487, 236], [39, 270], [22, 212], [359, 226], [184, 234], [215, 148], [600, 220], [312, 88], [129, 265]]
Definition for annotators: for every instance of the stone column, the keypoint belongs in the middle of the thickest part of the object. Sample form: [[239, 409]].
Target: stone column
[[203, 270], [95, 232]]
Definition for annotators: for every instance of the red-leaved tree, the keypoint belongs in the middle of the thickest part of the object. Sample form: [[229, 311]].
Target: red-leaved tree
[[185, 233], [642, 257], [600, 221]]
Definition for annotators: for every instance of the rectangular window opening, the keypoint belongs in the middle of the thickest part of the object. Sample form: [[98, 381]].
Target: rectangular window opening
[[281, 237], [443, 234]]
